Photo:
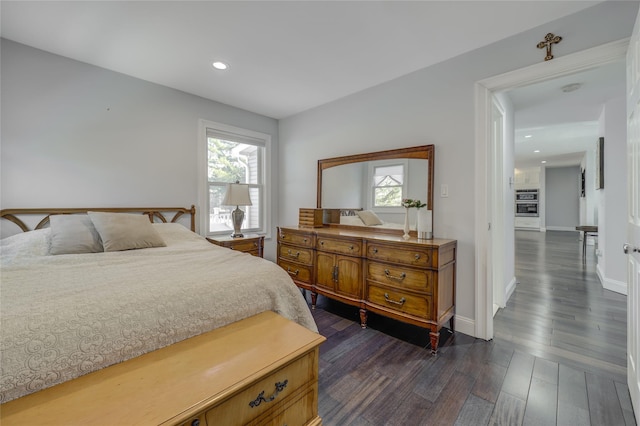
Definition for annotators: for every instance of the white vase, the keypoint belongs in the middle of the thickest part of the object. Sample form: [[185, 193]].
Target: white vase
[[406, 224]]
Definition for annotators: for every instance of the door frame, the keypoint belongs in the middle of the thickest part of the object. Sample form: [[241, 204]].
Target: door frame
[[497, 181], [485, 188]]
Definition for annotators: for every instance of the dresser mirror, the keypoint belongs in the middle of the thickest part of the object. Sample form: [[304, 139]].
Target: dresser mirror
[[360, 182]]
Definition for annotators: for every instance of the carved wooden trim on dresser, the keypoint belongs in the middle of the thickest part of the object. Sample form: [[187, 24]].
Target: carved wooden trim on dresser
[[412, 280]]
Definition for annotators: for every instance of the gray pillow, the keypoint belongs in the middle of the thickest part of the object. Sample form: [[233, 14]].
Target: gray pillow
[[72, 234], [123, 231]]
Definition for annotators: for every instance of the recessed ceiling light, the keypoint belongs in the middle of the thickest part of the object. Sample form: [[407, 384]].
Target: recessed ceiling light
[[543, 161], [536, 151], [220, 65], [528, 136]]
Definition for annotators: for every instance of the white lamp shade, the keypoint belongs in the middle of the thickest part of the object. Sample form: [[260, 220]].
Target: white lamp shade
[[237, 195]]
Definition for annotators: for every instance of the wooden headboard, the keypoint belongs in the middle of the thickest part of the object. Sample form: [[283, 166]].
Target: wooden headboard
[[13, 215]]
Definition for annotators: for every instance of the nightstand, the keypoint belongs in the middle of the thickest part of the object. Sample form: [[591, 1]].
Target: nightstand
[[250, 243]]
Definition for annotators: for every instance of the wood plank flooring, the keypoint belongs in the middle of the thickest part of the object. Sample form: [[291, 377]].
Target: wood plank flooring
[[558, 356]]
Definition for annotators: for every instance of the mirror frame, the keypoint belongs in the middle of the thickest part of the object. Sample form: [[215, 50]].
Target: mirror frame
[[423, 152]]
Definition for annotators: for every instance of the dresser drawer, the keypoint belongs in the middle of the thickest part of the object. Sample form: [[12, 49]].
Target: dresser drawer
[[401, 277], [299, 238], [298, 272], [340, 246], [418, 256], [246, 245], [408, 303], [259, 398], [296, 254]]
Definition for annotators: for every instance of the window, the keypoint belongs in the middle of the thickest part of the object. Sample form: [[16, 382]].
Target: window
[[388, 185], [234, 155]]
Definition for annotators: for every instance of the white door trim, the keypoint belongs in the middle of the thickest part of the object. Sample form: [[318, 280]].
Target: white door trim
[[558, 67]]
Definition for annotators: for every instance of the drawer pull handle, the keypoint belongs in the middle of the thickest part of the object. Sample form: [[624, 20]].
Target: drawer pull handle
[[395, 302], [290, 253], [321, 243], [255, 244], [282, 236], [305, 240], [394, 277], [260, 399], [294, 273], [351, 247], [417, 256], [375, 250], [196, 422]]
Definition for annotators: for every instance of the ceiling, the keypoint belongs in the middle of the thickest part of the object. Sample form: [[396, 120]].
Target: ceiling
[[286, 57], [561, 125]]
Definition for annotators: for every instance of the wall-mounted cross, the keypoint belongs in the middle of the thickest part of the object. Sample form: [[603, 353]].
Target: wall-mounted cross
[[549, 40]]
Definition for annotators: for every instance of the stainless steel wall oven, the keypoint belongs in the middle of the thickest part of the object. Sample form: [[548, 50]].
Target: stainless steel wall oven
[[527, 203]]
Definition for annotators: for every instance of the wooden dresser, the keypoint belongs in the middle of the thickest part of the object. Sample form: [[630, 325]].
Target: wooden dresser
[[258, 371], [410, 280]]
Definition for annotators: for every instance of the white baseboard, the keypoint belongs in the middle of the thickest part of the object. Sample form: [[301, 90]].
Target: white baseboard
[[561, 228], [612, 285], [465, 325], [511, 287]]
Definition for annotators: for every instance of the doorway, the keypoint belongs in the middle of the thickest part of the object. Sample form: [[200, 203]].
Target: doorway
[[490, 256]]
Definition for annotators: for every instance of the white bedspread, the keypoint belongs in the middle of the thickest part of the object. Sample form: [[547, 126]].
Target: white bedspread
[[67, 315]]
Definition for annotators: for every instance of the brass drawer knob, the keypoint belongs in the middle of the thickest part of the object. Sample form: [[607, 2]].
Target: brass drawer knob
[[417, 256], [375, 250], [294, 273]]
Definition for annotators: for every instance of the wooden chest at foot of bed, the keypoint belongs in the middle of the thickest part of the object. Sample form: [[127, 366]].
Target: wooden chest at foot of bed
[[261, 370]]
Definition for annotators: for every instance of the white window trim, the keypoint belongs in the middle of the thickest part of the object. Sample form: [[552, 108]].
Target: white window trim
[[380, 163], [203, 171]]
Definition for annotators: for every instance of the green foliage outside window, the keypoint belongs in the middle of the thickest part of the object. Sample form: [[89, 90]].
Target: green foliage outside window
[[223, 166]]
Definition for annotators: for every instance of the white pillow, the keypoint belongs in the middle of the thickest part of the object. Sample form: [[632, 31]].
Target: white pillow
[[123, 231], [72, 234], [369, 218]]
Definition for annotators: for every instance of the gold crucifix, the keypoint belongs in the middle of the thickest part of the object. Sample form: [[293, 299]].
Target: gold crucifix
[[549, 40]]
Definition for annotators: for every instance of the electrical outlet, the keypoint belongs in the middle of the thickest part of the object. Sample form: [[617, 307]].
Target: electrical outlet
[[444, 190]]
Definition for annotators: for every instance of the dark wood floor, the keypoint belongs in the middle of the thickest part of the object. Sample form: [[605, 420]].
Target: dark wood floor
[[558, 356]]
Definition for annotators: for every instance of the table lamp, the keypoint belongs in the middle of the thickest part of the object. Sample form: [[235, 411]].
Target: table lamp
[[237, 195]]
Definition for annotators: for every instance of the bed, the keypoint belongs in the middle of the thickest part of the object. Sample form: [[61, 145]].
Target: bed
[[66, 315]]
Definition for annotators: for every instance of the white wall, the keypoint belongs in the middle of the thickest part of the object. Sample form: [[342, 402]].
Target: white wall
[[75, 135], [430, 106], [612, 209], [562, 194]]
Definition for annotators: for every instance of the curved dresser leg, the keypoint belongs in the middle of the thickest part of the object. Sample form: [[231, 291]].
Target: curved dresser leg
[[314, 299], [363, 318], [435, 339]]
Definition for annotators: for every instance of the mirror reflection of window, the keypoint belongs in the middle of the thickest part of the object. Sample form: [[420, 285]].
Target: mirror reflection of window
[[388, 185]]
